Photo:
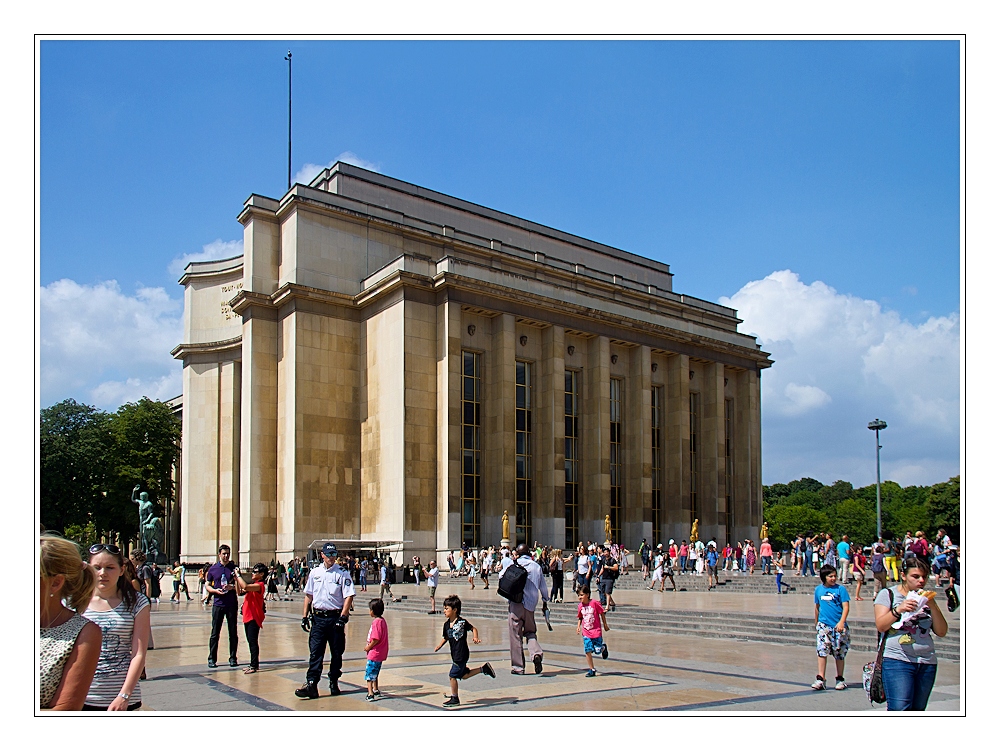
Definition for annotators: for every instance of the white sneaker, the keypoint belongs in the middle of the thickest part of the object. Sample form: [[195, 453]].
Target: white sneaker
[[819, 684], [841, 685]]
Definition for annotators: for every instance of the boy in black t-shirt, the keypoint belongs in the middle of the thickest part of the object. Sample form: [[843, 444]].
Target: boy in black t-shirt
[[456, 634]]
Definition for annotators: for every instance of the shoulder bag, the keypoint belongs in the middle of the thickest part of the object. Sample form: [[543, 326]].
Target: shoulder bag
[[872, 672]]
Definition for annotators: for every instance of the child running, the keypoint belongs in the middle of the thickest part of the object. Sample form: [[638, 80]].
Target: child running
[[456, 633], [377, 647], [778, 573], [590, 616]]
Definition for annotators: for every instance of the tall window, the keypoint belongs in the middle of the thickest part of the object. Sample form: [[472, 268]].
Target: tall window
[[657, 472], [572, 414], [693, 502], [616, 459], [522, 459], [471, 422], [729, 468]]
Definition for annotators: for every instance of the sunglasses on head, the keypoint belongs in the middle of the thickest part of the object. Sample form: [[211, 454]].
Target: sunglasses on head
[[98, 547]]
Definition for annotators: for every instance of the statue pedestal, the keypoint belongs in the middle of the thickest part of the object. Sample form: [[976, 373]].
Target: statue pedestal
[[505, 543]]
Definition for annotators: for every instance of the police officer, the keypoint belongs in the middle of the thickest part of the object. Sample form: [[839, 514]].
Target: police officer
[[329, 593]]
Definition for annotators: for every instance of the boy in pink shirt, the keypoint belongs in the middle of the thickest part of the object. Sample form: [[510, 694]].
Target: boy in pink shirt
[[589, 616], [377, 647]]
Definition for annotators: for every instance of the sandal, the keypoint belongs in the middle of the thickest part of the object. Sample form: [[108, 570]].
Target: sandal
[[248, 670]]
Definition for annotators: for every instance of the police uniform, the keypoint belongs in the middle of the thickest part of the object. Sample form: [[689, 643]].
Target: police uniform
[[329, 589]]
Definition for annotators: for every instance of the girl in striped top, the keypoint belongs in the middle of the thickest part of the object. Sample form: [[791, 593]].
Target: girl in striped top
[[123, 616]]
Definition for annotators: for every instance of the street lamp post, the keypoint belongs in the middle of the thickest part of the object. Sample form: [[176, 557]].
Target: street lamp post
[[878, 425]]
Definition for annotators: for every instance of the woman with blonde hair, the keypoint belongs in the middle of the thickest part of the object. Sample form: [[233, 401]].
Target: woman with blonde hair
[[69, 645], [123, 617]]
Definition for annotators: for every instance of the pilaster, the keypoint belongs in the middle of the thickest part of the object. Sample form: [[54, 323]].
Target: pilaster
[[549, 520], [259, 435], [638, 523], [713, 461], [595, 448], [677, 495], [449, 426]]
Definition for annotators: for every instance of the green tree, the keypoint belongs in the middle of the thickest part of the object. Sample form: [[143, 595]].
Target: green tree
[[146, 447], [75, 446], [784, 522], [91, 461], [944, 507], [841, 490], [806, 483], [855, 518]]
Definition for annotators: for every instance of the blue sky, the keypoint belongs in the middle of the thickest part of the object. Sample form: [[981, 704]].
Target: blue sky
[[814, 185]]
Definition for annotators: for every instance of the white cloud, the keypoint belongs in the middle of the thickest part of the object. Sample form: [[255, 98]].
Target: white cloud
[[211, 252], [103, 347], [841, 361], [802, 399], [308, 171]]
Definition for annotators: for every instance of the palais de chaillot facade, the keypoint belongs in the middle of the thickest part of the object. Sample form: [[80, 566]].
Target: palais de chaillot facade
[[385, 362]]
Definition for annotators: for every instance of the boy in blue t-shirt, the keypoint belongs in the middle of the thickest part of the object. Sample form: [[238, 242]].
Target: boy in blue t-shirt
[[833, 637]]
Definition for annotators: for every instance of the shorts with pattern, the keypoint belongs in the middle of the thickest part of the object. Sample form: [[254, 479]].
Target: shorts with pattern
[[431, 591], [372, 669], [831, 643], [593, 645]]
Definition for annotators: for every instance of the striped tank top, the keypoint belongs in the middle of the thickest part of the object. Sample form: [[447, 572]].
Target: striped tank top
[[116, 652]]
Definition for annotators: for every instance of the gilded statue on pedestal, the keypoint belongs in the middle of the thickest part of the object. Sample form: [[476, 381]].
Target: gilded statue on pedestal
[[506, 526], [607, 528], [694, 531]]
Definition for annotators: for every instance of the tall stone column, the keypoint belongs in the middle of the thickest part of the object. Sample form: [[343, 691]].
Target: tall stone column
[[638, 522], [259, 435], [199, 481], [420, 426], [595, 447], [713, 461], [549, 521], [676, 455], [230, 521], [383, 478], [449, 426], [747, 507], [498, 437]]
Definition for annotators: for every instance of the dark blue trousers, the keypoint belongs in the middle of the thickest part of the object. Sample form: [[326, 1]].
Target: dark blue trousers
[[325, 631]]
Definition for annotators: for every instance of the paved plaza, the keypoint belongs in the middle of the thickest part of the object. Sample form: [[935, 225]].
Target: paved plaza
[[646, 671]]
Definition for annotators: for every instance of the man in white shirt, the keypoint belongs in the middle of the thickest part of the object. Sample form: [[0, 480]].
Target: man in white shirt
[[329, 595], [431, 574], [521, 615]]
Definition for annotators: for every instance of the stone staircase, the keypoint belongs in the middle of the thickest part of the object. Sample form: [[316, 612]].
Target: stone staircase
[[783, 629]]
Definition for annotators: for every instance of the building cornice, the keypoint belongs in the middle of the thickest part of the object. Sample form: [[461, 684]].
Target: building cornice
[[225, 346]]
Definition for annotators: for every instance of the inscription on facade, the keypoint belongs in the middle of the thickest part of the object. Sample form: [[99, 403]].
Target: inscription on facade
[[229, 290]]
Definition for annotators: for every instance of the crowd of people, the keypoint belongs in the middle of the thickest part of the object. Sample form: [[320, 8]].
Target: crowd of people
[[95, 609]]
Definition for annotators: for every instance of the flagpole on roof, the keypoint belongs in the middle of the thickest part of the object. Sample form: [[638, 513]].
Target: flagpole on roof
[[288, 57]]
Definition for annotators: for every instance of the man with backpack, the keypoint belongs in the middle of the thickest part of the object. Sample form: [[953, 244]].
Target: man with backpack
[[522, 583]]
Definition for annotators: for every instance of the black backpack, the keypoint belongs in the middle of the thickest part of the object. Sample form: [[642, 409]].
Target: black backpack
[[512, 582]]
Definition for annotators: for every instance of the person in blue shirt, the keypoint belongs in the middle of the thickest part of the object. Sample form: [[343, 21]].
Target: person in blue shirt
[[833, 637], [712, 561], [843, 557]]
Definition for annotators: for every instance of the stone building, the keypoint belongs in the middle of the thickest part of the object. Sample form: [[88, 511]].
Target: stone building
[[387, 362]]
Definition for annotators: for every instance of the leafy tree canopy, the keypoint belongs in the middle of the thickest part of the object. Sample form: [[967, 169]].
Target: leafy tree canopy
[[91, 460]]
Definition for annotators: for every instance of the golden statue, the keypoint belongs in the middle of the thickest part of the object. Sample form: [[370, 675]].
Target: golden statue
[[694, 531], [763, 531], [607, 528], [506, 526]]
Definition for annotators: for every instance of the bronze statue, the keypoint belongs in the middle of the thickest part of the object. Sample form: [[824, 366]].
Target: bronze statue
[[607, 528], [150, 525], [694, 531], [506, 526], [763, 531]]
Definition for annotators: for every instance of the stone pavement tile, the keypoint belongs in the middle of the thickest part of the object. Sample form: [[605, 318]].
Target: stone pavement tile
[[646, 672]]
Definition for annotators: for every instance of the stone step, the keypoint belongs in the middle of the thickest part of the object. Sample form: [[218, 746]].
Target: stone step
[[791, 630]]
